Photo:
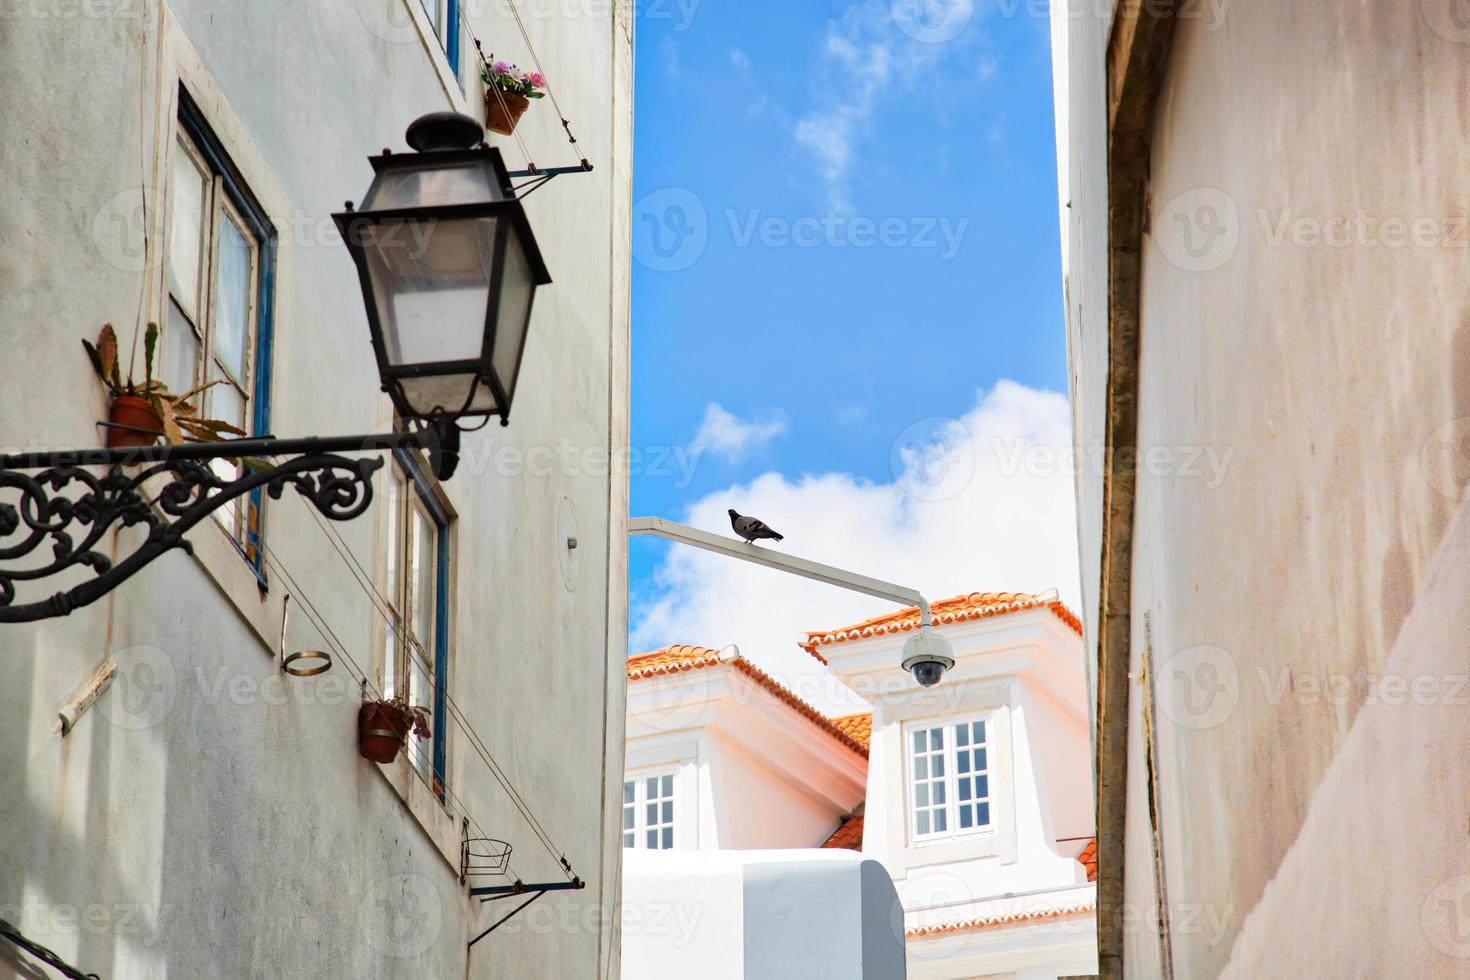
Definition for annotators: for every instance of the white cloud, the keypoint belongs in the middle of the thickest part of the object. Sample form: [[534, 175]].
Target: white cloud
[[728, 435], [877, 49], [980, 503]]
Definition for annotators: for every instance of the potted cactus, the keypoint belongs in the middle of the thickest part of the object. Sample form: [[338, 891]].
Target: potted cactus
[[383, 727], [140, 413], [508, 92]]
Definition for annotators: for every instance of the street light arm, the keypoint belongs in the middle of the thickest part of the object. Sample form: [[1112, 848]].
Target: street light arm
[[843, 579]]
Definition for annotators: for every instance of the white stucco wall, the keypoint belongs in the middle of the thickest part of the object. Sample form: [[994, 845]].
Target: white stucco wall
[[1314, 335], [751, 771], [213, 822], [1023, 672], [754, 915]]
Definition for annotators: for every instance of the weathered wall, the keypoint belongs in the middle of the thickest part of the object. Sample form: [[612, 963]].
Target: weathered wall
[[214, 822], [1304, 320]]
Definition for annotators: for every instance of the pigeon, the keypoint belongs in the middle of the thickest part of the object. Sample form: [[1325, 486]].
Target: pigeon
[[751, 528]]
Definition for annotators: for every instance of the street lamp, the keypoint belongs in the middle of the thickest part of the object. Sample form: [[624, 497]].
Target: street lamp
[[448, 268], [926, 654]]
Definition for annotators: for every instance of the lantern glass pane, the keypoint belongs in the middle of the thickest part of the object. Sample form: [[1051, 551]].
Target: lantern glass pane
[[431, 285], [421, 186], [438, 393], [516, 288]]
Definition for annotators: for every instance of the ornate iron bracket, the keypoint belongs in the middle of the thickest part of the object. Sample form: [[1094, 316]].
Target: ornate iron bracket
[[69, 507]]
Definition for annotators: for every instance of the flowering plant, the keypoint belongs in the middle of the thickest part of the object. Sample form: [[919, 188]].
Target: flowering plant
[[509, 78]]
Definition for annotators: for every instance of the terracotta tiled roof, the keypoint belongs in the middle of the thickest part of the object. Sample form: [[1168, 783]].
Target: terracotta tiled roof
[[677, 659], [1088, 858], [849, 835], [859, 726], [997, 921], [960, 608]]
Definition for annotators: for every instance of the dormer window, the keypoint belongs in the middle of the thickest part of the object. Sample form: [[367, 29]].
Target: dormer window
[[948, 779], [648, 812]]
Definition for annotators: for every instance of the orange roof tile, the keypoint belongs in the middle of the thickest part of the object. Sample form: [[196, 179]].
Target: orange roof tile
[[960, 608], [848, 835], [676, 659], [859, 726], [1088, 858], [996, 921]]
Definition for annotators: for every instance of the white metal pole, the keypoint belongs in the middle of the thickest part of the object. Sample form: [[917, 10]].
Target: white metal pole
[[658, 527]]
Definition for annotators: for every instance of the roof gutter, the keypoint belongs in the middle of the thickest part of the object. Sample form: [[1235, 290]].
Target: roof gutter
[[1137, 56]]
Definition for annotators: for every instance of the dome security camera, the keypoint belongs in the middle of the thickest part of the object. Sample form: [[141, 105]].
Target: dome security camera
[[927, 655]]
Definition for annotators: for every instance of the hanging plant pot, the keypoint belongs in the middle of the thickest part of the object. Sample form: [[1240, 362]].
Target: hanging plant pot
[[503, 110], [381, 729], [134, 422]]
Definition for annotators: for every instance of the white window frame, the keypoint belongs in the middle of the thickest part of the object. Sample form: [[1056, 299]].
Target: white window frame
[[949, 755], [201, 318], [667, 781]]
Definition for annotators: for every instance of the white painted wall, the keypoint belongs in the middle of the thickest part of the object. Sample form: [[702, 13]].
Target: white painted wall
[[753, 773], [1021, 670], [201, 820], [754, 915], [1333, 370]]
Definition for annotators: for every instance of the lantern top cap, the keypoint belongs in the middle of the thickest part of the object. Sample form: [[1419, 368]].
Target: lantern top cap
[[443, 131]]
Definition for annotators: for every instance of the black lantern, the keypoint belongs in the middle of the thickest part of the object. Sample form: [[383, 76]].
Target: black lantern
[[448, 267]]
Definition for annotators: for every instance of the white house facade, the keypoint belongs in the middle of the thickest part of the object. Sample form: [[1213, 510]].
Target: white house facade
[[175, 804], [974, 795]]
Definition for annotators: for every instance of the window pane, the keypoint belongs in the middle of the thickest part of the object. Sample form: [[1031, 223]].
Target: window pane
[[628, 792], [939, 822], [668, 811], [921, 768], [186, 228], [652, 787], [966, 820], [921, 794], [628, 816], [425, 567], [962, 735], [652, 838], [918, 741], [964, 790], [668, 786], [938, 793], [227, 403], [980, 765], [652, 810], [628, 840], [982, 787], [232, 292], [921, 823], [668, 837], [939, 765], [936, 738], [982, 811], [390, 577], [180, 352], [963, 763]]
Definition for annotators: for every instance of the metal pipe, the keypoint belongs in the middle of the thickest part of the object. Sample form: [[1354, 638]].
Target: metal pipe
[[840, 577]]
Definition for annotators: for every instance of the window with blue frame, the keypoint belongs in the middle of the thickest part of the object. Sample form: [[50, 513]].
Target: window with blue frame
[[444, 16], [220, 272], [415, 577]]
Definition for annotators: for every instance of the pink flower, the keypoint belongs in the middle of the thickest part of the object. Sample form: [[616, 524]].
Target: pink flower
[[537, 79]]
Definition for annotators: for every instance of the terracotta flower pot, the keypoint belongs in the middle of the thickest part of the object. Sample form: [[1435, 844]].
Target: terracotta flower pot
[[381, 729], [144, 425], [503, 110]]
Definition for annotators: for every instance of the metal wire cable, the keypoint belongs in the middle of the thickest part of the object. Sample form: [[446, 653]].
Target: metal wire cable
[[416, 652]]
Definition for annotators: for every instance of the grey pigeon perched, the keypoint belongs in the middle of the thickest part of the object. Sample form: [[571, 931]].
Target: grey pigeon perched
[[751, 528]]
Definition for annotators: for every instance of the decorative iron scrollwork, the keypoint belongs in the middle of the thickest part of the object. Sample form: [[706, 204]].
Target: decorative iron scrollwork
[[71, 509]]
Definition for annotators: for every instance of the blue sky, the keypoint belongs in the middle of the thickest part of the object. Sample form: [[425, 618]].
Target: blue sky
[[845, 223]]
